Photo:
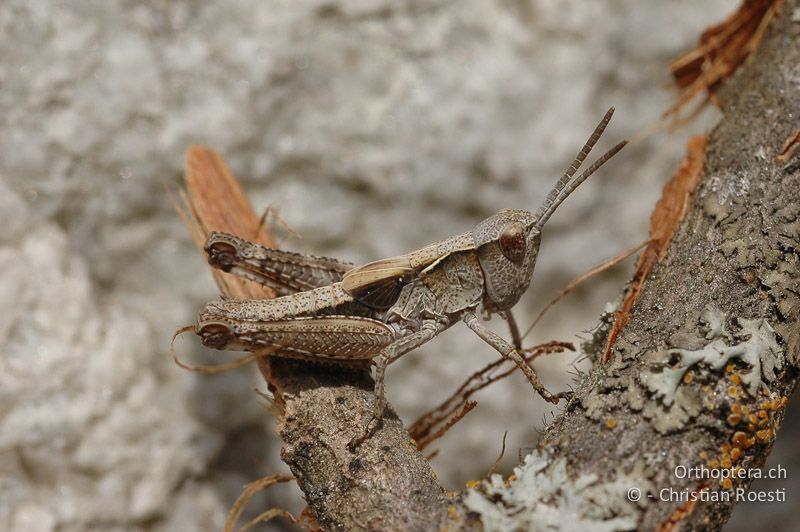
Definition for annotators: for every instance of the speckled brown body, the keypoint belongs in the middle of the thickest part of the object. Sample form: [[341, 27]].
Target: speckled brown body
[[473, 273]]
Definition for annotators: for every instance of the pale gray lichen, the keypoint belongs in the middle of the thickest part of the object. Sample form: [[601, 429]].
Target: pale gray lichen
[[543, 494], [592, 346], [715, 322], [760, 350], [730, 187]]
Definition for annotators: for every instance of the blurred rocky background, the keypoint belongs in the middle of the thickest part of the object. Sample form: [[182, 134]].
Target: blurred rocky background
[[374, 127]]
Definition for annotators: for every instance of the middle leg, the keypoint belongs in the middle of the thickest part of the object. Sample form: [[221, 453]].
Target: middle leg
[[514, 329], [390, 353]]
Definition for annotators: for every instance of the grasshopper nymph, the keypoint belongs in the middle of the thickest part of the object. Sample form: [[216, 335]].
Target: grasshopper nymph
[[330, 310]]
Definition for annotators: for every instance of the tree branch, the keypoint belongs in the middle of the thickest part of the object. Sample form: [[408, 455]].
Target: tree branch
[[701, 373]]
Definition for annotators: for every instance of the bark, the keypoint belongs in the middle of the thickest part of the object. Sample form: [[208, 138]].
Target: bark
[[725, 288], [387, 484], [725, 294]]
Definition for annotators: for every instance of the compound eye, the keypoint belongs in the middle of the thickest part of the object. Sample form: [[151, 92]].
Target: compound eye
[[513, 243]]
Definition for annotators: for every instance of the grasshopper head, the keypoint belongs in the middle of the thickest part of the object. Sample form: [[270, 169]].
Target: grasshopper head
[[508, 242], [507, 245]]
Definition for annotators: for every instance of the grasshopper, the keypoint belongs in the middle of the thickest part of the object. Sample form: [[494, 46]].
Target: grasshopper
[[330, 310]]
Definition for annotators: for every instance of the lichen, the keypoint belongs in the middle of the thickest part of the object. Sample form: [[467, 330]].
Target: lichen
[[541, 492], [760, 350], [715, 322], [592, 346]]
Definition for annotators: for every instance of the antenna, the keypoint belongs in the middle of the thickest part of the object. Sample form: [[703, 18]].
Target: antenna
[[555, 197], [577, 182]]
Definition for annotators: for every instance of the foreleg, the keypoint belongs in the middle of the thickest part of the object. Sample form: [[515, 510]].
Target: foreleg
[[508, 351]]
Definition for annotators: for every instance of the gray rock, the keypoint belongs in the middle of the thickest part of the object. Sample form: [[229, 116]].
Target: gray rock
[[375, 127]]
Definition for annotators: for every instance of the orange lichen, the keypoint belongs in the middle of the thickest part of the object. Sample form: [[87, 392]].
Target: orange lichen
[[611, 424], [764, 436], [734, 419], [452, 513], [739, 439], [736, 452], [733, 391], [689, 377], [726, 483], [736, 378]]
